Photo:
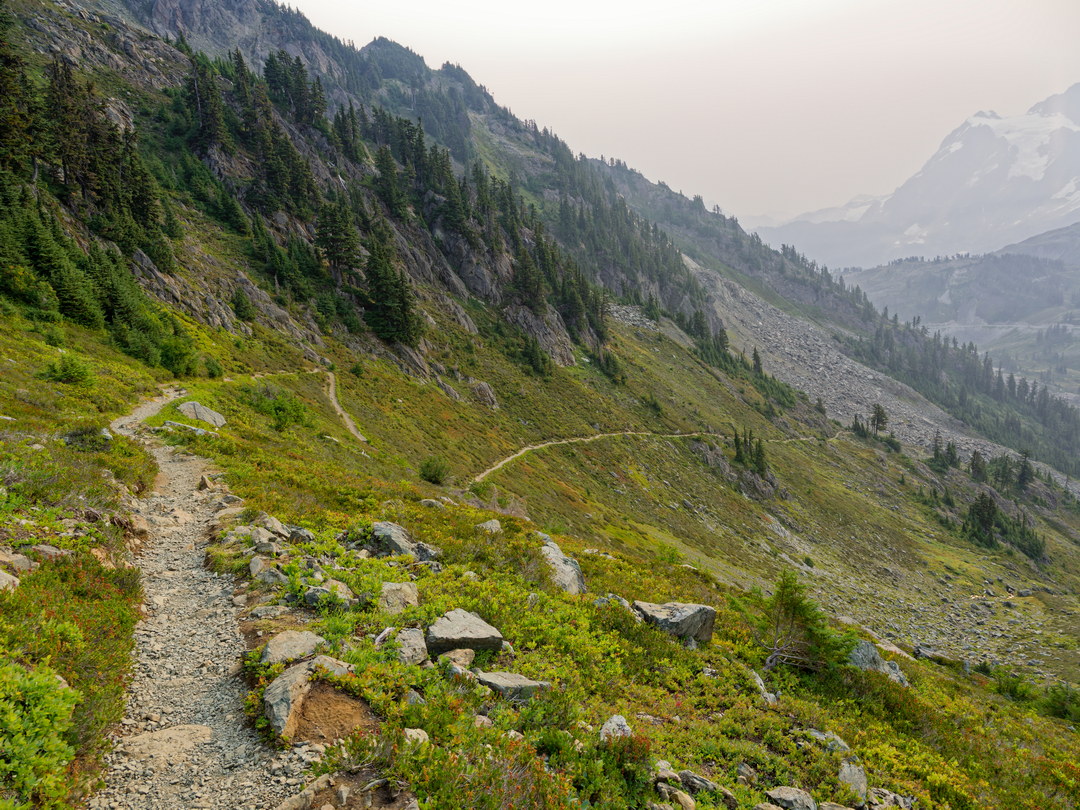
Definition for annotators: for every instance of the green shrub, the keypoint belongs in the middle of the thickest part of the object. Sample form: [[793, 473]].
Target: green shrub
[[69, 369], [282, 406], [35, 716], [213, 366], [435, 469]]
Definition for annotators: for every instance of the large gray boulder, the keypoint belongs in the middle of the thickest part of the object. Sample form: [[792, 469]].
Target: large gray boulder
[[565, 571], [679, 619], [511, 685], [392, 539], [199, 412], [411, 646], [866, 657], [285, 695], [8, 582], [459, 629], [290, 645], [791, 798]]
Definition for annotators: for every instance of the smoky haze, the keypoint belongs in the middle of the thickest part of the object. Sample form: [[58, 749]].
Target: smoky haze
[[761, 106]]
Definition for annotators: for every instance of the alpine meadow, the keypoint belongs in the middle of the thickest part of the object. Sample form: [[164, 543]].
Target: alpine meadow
[[364, 446]]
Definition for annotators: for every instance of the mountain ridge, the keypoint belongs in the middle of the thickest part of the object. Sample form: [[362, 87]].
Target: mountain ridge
[[992, 180]]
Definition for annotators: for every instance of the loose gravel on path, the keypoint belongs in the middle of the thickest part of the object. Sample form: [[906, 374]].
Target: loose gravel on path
[[184, 742]]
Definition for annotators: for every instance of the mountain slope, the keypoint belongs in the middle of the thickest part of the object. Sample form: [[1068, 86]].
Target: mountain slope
[[271, 239], [993, 180]]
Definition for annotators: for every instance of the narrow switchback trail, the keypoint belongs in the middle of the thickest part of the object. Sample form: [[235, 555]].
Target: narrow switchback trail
[[184, 742], [585, 440]]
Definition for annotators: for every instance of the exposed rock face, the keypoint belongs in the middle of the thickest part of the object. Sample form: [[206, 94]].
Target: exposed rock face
[[8, 582], [865, 656], [199, 412], [290, 645], [462, 629], [679, 619], [880, 798], [512, 686], [331, 590], [565, 571], [547, 329], [490, 527], [485, 395]]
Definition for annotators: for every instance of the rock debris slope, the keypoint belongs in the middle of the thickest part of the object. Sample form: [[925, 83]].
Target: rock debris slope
[[184, 742]]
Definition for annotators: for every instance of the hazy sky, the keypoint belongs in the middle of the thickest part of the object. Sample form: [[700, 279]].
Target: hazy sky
[[760, 106]]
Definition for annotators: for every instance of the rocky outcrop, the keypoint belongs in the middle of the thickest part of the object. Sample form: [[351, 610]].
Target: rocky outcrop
[[412, 648], [548, 330], [615, 726], [679, 619]]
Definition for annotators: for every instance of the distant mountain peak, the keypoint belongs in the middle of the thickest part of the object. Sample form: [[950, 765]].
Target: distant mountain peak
[[995, 179]]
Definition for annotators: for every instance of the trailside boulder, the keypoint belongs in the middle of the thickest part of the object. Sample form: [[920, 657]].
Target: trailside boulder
[[696, 784], [199, 412], [679, 619], [284, 696], [565, 571], [290, 645], [461, 629]]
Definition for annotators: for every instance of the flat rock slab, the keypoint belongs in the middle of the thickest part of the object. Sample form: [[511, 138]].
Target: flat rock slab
[[173, 743], [199, 412], [460, 629], [7, 581], [679, 619], [290, 645], [511, 685]]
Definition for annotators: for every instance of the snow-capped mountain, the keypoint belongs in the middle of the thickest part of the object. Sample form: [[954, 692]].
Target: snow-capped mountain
[[994, 180]]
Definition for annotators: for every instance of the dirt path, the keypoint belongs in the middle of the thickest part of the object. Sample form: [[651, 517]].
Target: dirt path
[[584, 440], [184, 743], [350, 425]]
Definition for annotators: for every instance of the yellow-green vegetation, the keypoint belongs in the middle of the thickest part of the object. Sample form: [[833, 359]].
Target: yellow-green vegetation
[[651, 506]]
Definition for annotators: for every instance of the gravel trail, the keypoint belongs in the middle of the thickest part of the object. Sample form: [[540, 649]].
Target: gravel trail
[[184, 742]]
